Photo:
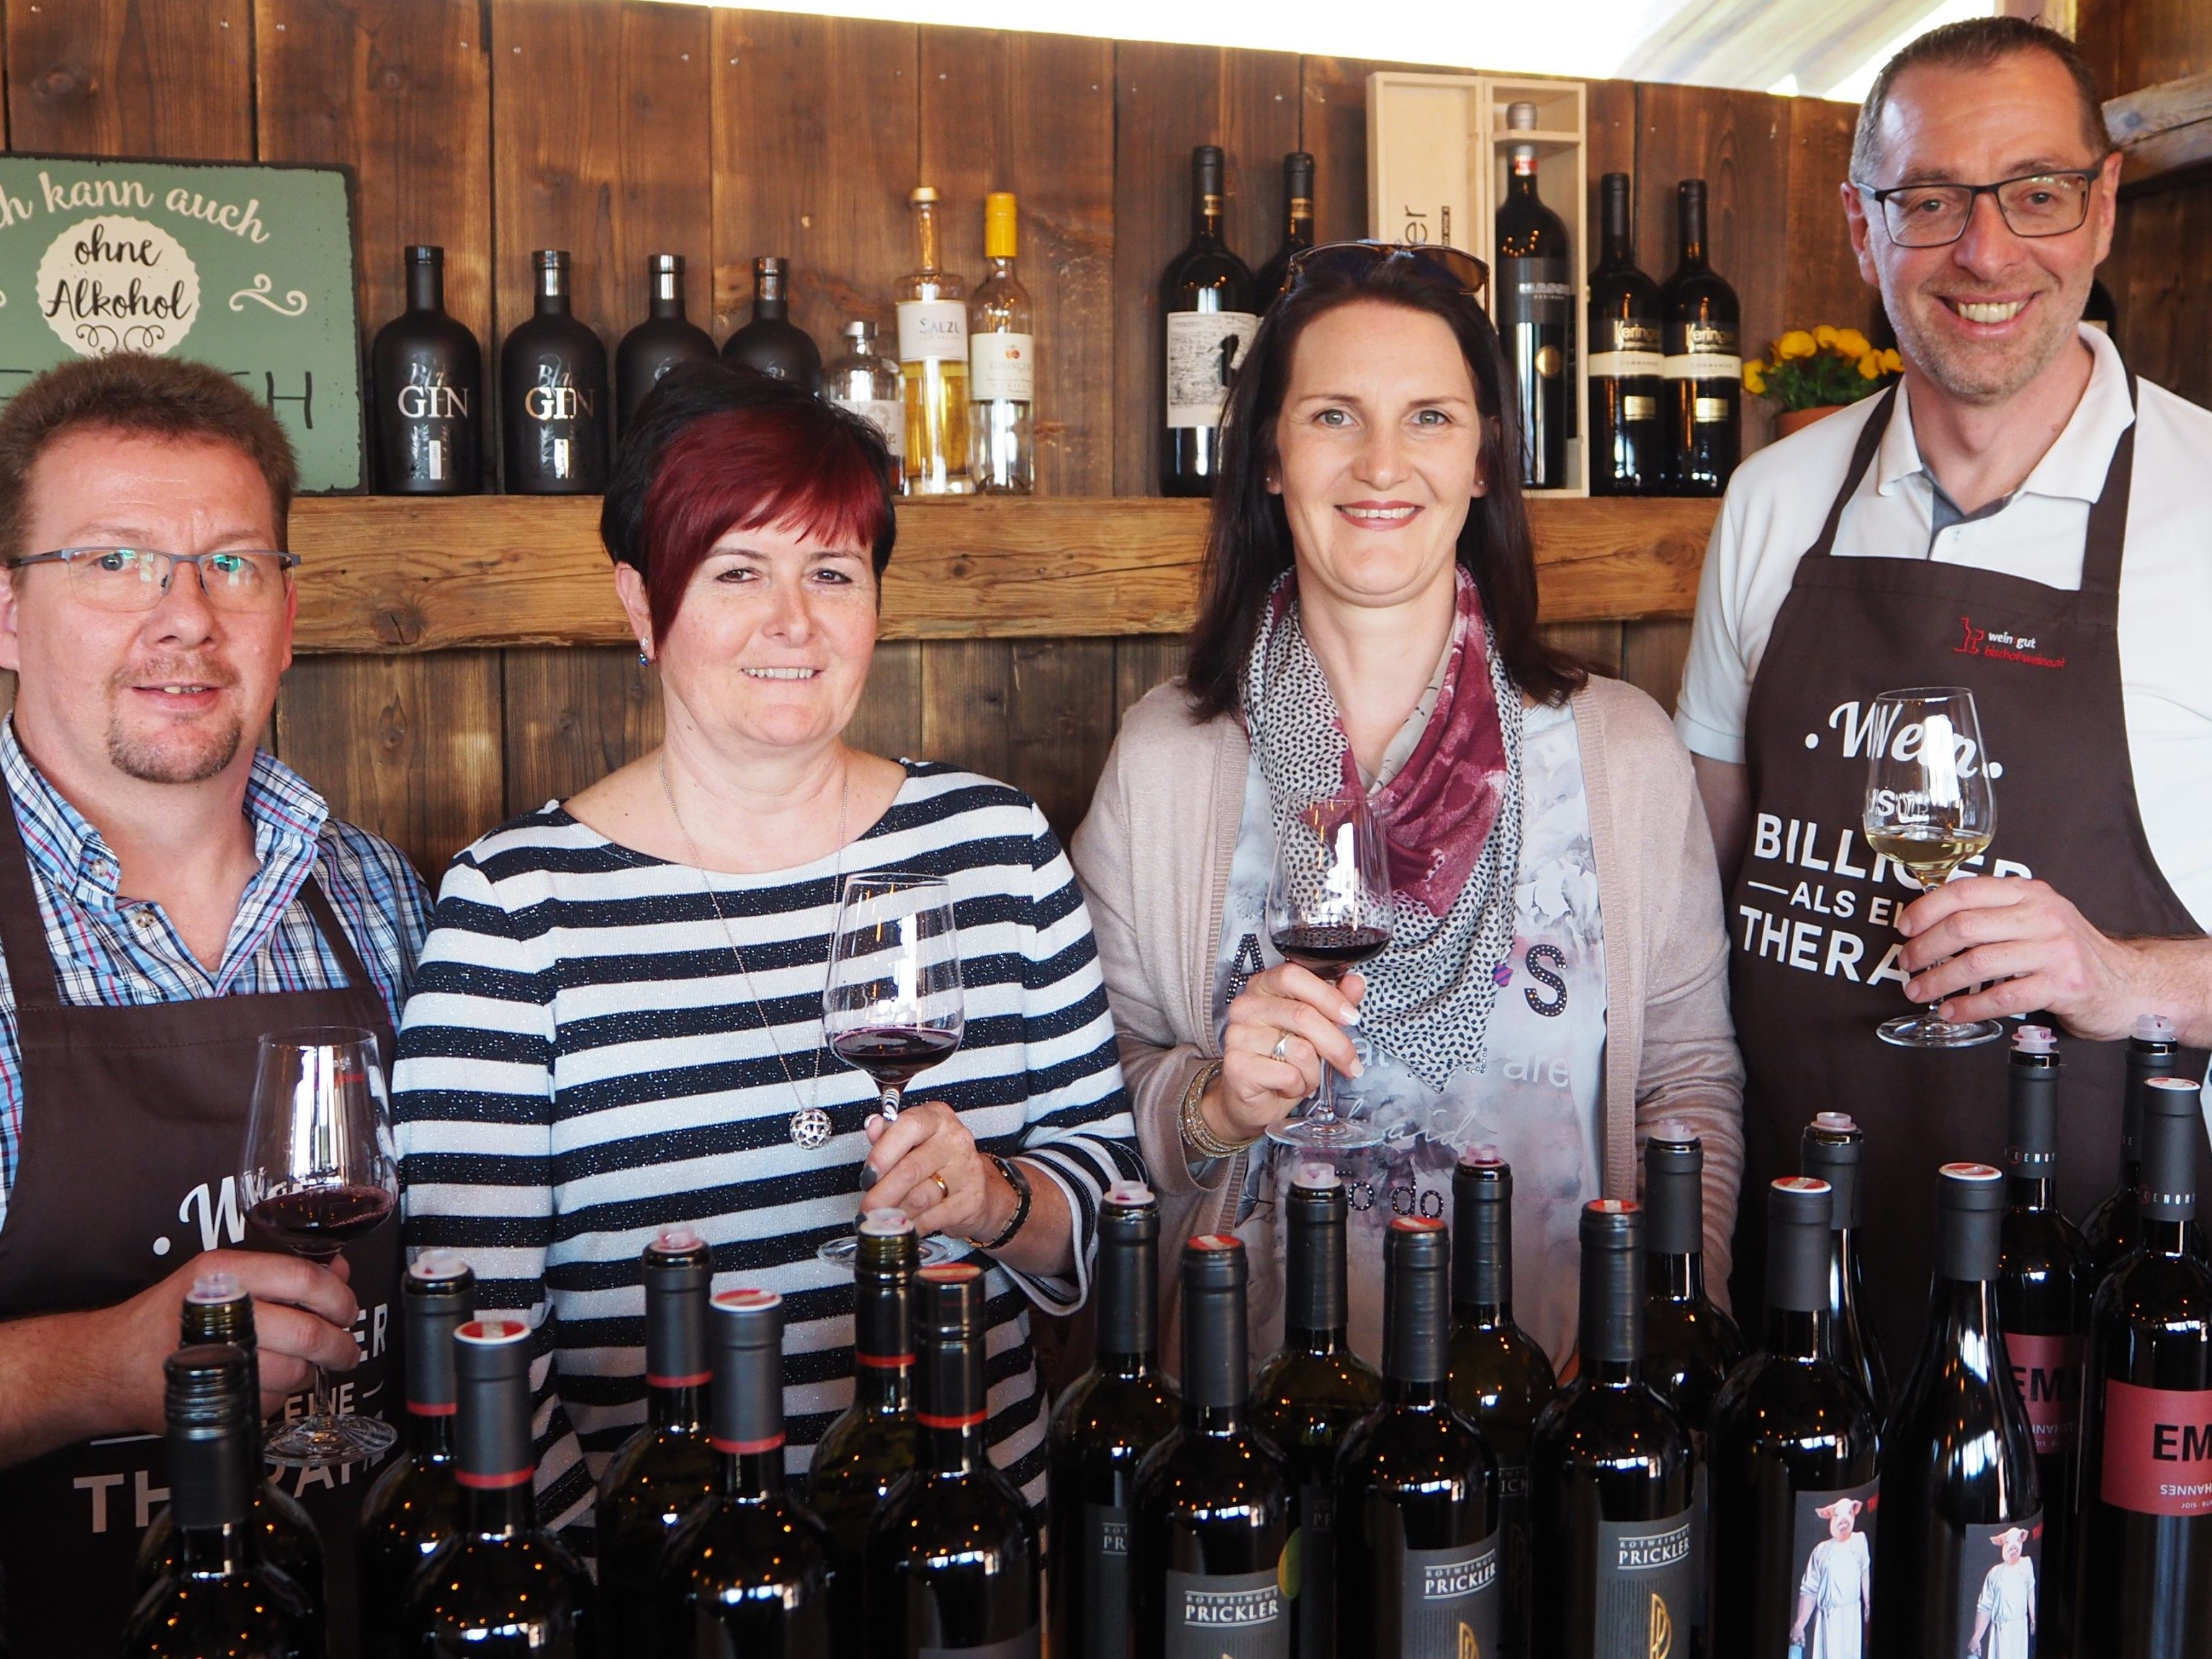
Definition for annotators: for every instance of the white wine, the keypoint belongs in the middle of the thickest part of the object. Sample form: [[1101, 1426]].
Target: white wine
[[932, 348], [1931, 852]]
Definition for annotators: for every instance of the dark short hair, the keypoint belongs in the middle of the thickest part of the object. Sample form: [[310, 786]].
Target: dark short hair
[[1248, 542], [130, 391], [1978, 43], [714, 448]]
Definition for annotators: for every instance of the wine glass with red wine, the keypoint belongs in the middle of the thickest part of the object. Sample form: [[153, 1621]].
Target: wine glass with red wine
[[319, 1170], [892, 1006], [1328, 910]]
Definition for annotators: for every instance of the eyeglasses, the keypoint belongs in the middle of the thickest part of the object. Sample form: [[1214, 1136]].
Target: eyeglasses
[[1936, 216], [138, 578], [1454, 268]]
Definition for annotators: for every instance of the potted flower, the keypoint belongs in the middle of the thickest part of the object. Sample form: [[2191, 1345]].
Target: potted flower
[[1817, 372]]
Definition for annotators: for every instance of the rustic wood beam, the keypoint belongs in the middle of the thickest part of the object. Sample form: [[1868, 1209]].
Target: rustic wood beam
[[2162, 130]]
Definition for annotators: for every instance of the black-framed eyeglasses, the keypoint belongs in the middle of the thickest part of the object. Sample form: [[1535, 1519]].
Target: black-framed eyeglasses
[[2035, 204], [1453, 267], [138, 578]]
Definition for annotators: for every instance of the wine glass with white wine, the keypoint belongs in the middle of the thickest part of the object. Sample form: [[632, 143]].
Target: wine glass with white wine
[[1929, 808]]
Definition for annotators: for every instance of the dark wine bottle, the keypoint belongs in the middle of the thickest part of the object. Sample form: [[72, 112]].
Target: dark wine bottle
[[553, 403], [747, 1574], [1536, 314], [501, 1587], [1312, 1389], [2108, 1231], [771, 343], [1792, 1470], [952, 1563], [1298, 195], [2145, 1590], [1215, 1506], [1208, 311], [1628, 437], [1419, 1571], [666, 338], [221, 1599], [1108, 1418], [416, 1503], [667, 1468], [875, 1440], [1958, 1547], [1614, 1470], [1501, 1379], [1832, 1149], [427, 374], [1704, 405]]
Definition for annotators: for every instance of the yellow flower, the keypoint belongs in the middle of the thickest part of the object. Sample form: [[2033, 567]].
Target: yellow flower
[[1892, 363], [1824, 334], [1796, 343], [1870, 366], [1851, 342], [1754, 378]]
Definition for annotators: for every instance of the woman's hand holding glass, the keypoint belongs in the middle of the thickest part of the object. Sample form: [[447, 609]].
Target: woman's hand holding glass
[[925, 1145], [1288, 1020]]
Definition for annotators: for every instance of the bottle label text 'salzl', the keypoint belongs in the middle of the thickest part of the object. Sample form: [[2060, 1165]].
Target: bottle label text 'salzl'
[[2158, 1449], [932, 330], [1645, 1588], [1450, 1600], [1203, 350], [2049, 1371], [1002, 367], [1227, 1616]]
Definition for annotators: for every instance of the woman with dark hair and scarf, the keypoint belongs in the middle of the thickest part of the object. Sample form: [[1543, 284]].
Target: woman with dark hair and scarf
[[1556, 982]]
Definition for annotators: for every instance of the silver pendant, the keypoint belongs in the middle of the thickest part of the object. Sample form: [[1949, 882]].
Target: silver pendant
[[811, 1127]]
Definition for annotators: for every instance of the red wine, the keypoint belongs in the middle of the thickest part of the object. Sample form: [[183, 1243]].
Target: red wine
[[1628, 435], [1274, 277], [666, 338], [2109, 1229], [1832, 1149], [1208, 312], [1536, 316], [1704, 374], [320, 1221], [1332, 952], [553, 407], [428, 381], [893, 1055]]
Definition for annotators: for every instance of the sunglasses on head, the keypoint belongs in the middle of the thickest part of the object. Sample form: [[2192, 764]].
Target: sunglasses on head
[[1449, 267]]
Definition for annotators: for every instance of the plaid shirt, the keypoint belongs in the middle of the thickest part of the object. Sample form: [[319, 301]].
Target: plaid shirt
[[113, 952]]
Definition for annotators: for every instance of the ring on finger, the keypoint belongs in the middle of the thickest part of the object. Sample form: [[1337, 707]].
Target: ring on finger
[[944, 1192], [1282, 1049]]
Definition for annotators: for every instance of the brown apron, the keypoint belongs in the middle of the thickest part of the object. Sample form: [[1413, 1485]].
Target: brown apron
[[1813, 914], [134, 1119]]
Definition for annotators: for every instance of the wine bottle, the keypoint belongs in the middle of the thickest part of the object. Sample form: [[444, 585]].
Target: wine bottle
[[2108, 1230], [1792, 1470], [1274, 277], [1418, 1548], [667, 1468], [747, 1574], [1614, 1470], [2043, 1306], [952, 1558], [427, 374], [875, 1440], [932, 346], [1831, 1151], [1956, 1556], [1501, 1379], [1002, 364], [1312, 1389], [416, 1503], [1215, 1507], [501, 1587], [217, 1309], [1108, 1418], [1704, 369], [221, 1599], [1208, 312], [867, 382], [1627, 436], [1536, 314], [553, 394], [666, 338], [2146, 1583], [771, 343]]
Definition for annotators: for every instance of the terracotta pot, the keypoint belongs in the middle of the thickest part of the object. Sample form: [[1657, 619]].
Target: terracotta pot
[[1787, 421]]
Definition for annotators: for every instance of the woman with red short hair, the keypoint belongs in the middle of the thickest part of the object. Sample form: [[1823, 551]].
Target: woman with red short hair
[[617, 1021]]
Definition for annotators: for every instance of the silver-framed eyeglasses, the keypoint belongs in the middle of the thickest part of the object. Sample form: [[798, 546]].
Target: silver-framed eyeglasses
[[2051, 204], [138, 578]]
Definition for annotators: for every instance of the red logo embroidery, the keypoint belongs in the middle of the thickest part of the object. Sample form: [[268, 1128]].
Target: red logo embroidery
[[2004, 646]]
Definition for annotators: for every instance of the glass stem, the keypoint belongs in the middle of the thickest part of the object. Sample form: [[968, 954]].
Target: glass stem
[[888, 1105], [1324, 1109], [319, 1399]]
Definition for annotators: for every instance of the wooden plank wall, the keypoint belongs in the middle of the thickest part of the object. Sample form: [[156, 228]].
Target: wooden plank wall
[[498, 126]]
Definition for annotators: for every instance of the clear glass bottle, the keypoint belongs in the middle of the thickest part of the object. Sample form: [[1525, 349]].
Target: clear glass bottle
[[867, 383], [932, 348], [1001, 364]]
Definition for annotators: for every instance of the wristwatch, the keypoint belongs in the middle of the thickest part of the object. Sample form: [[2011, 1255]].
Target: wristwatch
[[1020, 1184]]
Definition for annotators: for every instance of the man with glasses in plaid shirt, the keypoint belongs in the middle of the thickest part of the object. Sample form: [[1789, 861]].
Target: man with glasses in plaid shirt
[[168, 893]]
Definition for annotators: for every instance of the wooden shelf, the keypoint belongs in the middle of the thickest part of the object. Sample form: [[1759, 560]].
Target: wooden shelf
[[392, 573], [2164, 131]]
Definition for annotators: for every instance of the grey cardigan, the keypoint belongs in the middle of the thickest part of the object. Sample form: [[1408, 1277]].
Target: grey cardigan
[[1153, 859]]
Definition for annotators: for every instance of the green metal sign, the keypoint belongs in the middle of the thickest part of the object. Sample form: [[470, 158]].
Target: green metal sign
[[248, 268]]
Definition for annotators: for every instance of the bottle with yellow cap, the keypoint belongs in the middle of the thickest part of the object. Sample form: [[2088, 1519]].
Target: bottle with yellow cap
[[1001, 364], [933, 351]]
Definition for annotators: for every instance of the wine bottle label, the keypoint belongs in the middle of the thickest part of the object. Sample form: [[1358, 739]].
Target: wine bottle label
[[1002, 365], [1027, 1645], [1229, 1616], [1830, 1571], [1515, 1562], [1317, 1589], [1632, 336], [2158, 1449], [1450, 1600], [1709, 411], [2049, 1371], [1645, 1591], [886, 415], [1702, 351], [933, 330], [1204, 348], [1104, 1547], [1635, 408], [1998, 1573], [1626, 366], [1702, 366]]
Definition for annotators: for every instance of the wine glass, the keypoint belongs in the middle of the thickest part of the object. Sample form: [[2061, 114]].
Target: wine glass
[[1929, 808], [1328, 909], [892, 1006], [319, 1169]]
